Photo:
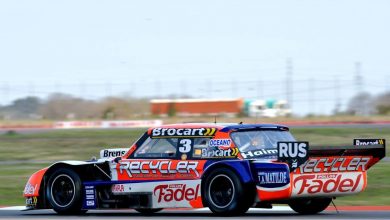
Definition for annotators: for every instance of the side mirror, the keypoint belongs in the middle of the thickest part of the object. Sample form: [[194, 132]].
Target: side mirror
[[117, 159]]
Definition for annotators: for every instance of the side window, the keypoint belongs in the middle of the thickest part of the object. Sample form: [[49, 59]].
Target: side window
[[157, 148], [199, 145]]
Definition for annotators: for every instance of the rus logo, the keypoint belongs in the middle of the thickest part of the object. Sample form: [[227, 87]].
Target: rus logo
[[293, 150], [294, 153]]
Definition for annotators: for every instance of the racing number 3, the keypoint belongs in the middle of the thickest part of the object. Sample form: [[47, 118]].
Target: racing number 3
[[185, 145]]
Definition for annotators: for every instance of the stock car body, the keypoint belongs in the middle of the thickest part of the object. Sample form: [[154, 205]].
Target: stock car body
[[226, 167]]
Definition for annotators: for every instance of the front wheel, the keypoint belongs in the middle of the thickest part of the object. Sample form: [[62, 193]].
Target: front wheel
[[64, 192], [310, 206], [224, 193]]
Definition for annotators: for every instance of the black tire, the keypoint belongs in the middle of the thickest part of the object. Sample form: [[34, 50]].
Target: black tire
[[224, 193], [64, 192], [310, 206], [148, 211]]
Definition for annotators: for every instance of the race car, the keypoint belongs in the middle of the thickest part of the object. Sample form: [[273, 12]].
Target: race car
[[225, 167]]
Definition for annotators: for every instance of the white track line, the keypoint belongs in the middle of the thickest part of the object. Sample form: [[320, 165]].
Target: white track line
[[274, 209], [14, 208]]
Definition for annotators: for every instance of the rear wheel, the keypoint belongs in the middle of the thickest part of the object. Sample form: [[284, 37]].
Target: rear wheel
[[224, 193], [148, 211], [64, 192], [310, 206]]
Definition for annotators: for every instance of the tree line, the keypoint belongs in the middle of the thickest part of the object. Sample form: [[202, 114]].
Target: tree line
[[63, 106], [60, 106]]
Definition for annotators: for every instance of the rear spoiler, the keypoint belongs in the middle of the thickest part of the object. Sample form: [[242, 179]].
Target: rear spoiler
[[376, 151]]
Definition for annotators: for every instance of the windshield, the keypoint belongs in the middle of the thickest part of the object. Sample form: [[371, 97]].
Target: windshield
[[260, 143]]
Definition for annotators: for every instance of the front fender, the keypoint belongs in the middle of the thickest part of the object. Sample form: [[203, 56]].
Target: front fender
[[34, 183]]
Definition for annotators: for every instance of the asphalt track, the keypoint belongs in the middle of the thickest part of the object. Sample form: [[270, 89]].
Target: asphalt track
[[279, 213]]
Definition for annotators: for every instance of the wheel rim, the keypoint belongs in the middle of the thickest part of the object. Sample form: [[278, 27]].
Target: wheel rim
[[221, 191], [63, 190]]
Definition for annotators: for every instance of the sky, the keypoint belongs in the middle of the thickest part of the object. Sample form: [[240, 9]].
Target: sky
[[207, 49]]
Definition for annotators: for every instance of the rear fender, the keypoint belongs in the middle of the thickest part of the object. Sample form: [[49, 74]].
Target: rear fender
[[272, 180], [240, 167]]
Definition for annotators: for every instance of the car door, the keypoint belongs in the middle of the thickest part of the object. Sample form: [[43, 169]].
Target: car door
[[158, 159], [160, 167]]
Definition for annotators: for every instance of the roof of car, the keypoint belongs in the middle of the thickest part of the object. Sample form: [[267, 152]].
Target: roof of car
[[225, 127]]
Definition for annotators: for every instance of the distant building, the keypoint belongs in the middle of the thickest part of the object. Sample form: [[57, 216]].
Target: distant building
[[196, 107], [227, 107], [267, 108]]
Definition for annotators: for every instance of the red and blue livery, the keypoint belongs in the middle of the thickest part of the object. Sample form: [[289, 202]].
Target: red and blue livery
[[225, 167]]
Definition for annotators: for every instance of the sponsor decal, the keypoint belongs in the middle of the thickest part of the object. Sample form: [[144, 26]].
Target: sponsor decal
[[266, 177], [335, 183], [183, 132], [219, 142], [293, 153], [112, 153], [365, 142], [89, 191], [89, 201], [158, 168], [118, 188], [334, 164], [271, 177], [31, 201], [211, 153], [30, 189], [259, 153], [175, 192]]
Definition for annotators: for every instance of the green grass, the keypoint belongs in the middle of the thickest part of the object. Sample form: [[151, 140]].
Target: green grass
[[23, 154], [13, 179], [63, 144], [338, 136], [377, 191]]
